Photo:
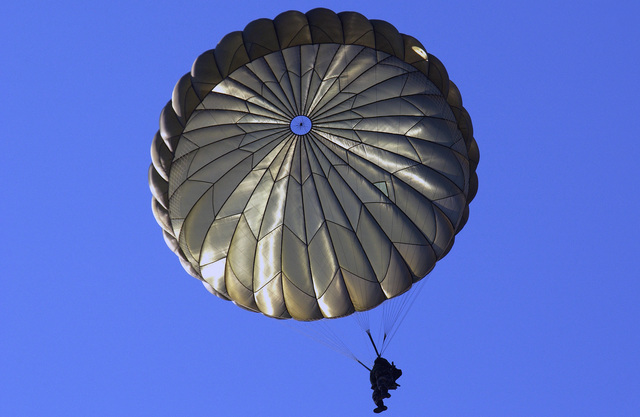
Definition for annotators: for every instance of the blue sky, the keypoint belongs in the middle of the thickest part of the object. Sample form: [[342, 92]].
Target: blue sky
[[534, 312]]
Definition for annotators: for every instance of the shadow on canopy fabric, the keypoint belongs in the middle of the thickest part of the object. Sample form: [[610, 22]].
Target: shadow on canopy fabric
[[313, 165]]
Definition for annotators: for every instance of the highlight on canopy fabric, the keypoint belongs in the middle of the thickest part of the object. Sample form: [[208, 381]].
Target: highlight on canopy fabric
[[313, 165]]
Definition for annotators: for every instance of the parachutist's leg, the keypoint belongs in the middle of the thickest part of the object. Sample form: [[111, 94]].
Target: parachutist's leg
[[377, 396], [383, 387], [380, 407]]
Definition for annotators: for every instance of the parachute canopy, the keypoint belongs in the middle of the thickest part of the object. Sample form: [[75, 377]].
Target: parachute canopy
[[313, 165]]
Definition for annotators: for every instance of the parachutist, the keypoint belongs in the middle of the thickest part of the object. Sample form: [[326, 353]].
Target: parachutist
[[383, 378]]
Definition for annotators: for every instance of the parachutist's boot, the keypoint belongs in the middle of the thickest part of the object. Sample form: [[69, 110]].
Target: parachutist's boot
[[380, 409]]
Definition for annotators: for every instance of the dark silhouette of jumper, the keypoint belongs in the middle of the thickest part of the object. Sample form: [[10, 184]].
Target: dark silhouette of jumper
[[383, 378]]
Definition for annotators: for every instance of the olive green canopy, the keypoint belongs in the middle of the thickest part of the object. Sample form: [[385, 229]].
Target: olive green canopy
[[313, 165]]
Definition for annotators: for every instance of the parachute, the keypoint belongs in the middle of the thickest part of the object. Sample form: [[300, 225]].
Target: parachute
[[313, 165]]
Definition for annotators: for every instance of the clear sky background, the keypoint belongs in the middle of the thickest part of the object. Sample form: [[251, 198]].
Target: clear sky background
[[535, 311]]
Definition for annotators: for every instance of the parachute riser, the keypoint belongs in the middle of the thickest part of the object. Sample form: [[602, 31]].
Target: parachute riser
[[366, 367], [373, 343]]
